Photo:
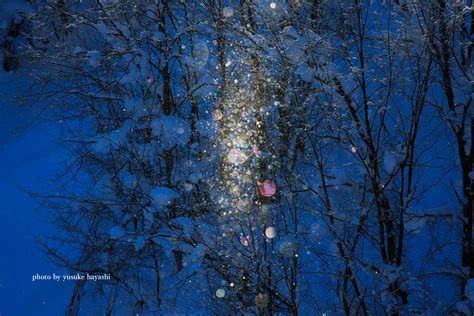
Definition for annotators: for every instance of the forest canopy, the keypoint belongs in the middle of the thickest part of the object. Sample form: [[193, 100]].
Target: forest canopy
[[299, 157]]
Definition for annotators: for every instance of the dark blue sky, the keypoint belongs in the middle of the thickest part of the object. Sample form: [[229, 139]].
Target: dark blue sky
[[26, 160]]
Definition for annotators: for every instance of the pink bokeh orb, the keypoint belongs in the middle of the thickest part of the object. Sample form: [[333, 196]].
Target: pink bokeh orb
[[267, 188]]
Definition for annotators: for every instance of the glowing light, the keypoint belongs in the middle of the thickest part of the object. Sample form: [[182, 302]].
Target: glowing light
[[245, 240], [267, 188], [240, 142], [273, 5], [220, 293], [270, 232], [236, 190], [236, 156], [353, 149], [217, 115], [261, 300]]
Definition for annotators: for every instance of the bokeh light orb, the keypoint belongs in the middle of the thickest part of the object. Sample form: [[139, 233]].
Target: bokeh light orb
[[270, 232], [267, 188], [261, 300], [236, 156], [220, 293]]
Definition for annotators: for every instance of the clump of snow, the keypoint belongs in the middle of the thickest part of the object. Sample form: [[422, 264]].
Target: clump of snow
[[158, 36], [416, 225], [133, 104], [163, 196], [290, 31], [116, 232], [149, 216], [119, 136], [140, 242], [201, 55], [198, 253], [9, 8], [128, 180], [463, 307], [391, 161], [163, 242], [306, 73], [77, 50], [171, 131], [101, 145], [469, 289], [186, 224], [195, 177], [390, 273], [93, 58]]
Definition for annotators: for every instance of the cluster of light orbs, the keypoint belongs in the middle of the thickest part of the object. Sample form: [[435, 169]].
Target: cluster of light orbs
[[241, 191]]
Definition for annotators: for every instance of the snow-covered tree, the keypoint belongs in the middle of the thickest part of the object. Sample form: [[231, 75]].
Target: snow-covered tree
[[253, 156]]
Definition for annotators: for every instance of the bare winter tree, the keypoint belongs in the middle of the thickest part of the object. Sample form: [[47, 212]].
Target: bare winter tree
[[452, 49]]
